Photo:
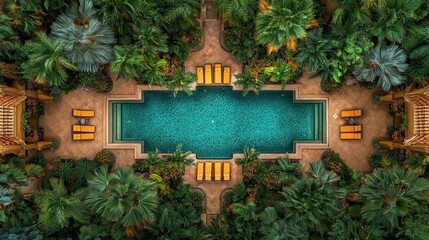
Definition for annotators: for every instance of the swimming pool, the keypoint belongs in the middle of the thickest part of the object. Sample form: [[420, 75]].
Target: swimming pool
[[216, 122]]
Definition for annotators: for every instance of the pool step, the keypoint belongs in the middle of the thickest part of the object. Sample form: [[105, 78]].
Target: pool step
[[116, 123]]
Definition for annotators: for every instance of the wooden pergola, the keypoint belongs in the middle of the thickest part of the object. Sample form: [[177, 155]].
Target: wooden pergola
[[12, 105], [417, 110]]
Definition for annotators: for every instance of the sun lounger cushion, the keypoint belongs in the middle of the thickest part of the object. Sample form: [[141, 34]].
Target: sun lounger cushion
[[226, 75], [218, 73], [218, 171], [200, 171], [351, 113], [227, 171], [208, 74], [208, 171], [350, 136], [351, 128], [84, 128], [200, 75], [83, 136], [83, 113]]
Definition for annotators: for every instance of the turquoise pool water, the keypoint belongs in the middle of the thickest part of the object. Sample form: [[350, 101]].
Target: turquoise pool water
[[216, 122]]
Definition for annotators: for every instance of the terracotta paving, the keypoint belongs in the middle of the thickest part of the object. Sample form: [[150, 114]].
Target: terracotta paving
[[57, 120]]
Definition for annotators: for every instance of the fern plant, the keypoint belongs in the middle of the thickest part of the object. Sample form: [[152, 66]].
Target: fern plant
[[387, 63]]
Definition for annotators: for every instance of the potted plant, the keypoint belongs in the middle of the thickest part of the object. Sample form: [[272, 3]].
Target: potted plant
[[105, 157]]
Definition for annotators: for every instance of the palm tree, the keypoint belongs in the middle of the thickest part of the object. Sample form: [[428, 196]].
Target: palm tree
[[8, 38], [392, 194], [385, 63], [313, 202], [180, 12], [25, 15], [284, 23], [57, 208], [314, 51], [120, 15], [47, 63], [351, 11], [237, 12], [150, 41], [181, 82], [127, 63], [87, 43], [247, 82], [289, 171], [274, 227], [123, 198], [179, 157], [392, 17], [250, 156]]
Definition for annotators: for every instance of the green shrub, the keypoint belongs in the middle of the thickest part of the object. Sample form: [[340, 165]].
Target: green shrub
[[376, 143], [416, 227], [105, 157], [55, 144], [24, 233], [332, 161]]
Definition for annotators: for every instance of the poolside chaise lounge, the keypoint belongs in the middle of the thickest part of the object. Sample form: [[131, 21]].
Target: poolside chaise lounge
[[218, 73], [226, 171], [200, 171], [350, 128], [351, 113], [226, 75], [208, 171], [83, 136], [217, 171], [84, 128], [208, 73], [200, 75], [83, 113], [350, 136]]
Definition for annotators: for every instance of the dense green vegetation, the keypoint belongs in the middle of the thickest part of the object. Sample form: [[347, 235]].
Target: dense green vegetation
[[379, 43]]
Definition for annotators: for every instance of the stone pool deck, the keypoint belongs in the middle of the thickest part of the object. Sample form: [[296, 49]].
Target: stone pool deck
[[58, 119]]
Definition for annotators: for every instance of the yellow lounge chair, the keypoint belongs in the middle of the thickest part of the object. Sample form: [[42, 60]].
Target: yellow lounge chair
[[84, 128], [226, 75], [83, 136], [208, 171], [218, 171], [200, 171], [351, 113], [83, 113], [218, 73], [226, 171], [208, 73], [349, 129], [200, 75], [350, 136]]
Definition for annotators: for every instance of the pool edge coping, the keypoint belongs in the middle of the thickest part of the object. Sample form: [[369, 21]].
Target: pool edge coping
[[138, 94]]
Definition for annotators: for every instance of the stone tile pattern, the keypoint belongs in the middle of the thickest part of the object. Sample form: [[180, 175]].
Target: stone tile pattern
[[58, 119]]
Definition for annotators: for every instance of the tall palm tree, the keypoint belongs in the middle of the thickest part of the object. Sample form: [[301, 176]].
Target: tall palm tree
[[57, 208], [47, 62], [181, 12], [237, 12], [392, 17], [181, 81], [25, 15], [387, 63], [122, 198], [284, 23], [87, 43], [314, 51], [150, 40], [289, 172], [313, 202], [392, 194], [120, 15]]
